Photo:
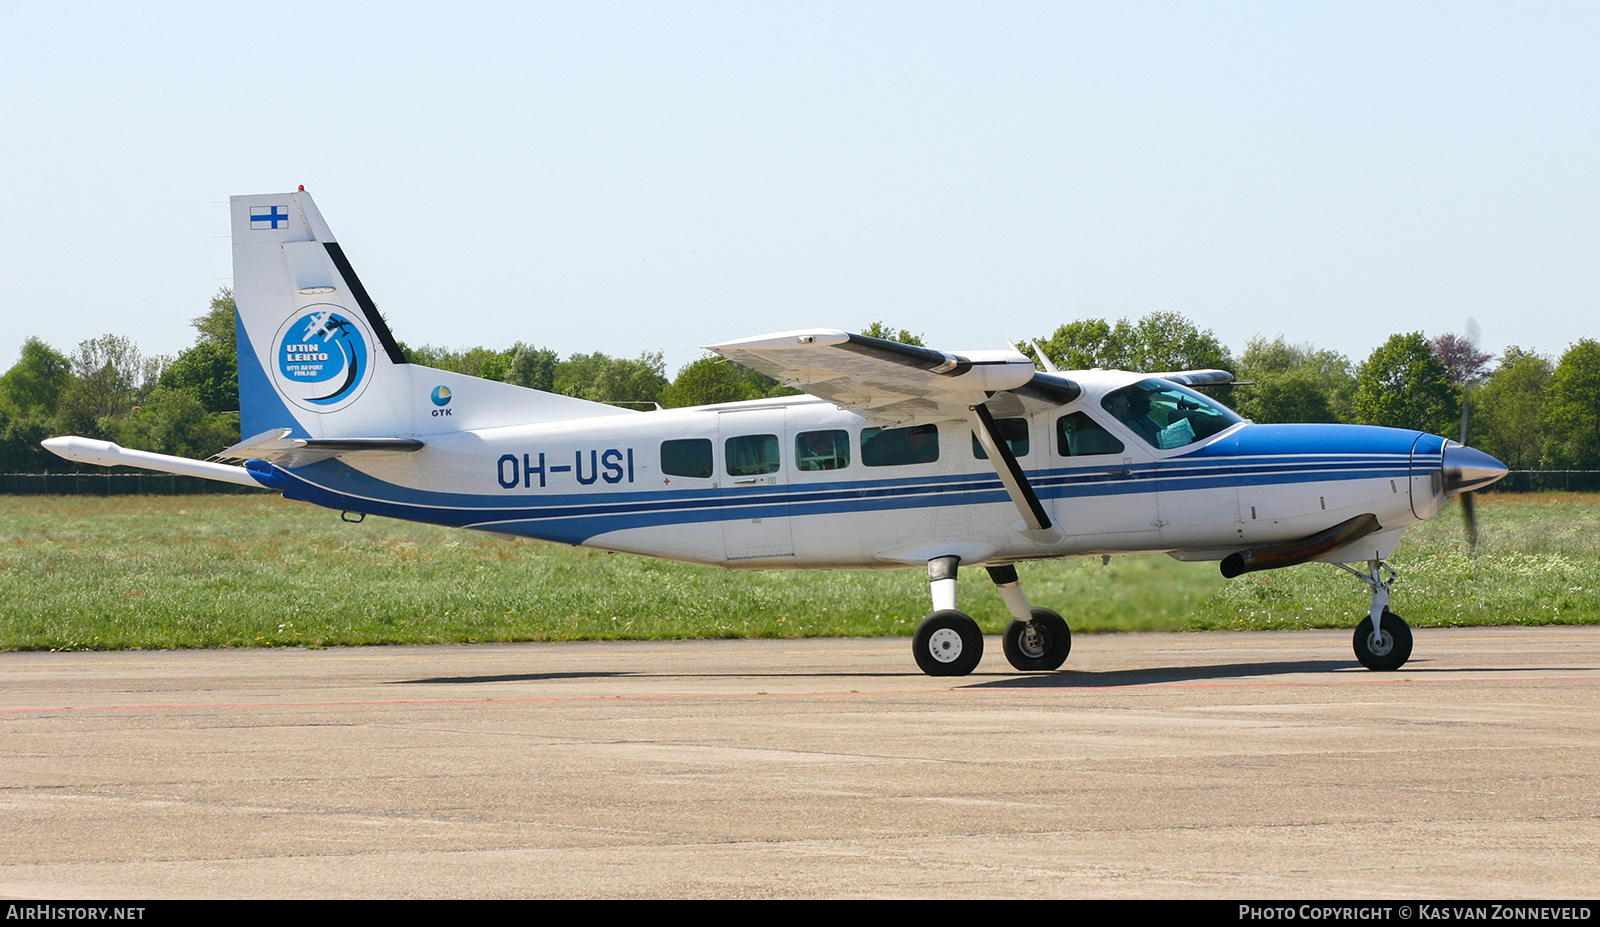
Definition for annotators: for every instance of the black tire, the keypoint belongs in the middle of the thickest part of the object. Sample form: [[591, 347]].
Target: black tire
[[1045, 649], [948, 643], [1396, 647]]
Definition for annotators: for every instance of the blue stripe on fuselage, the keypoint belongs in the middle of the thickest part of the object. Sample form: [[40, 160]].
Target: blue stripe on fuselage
[[1278, 454]]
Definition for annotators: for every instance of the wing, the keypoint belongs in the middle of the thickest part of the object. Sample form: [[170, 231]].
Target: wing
[[895, 384], [1206, 377]]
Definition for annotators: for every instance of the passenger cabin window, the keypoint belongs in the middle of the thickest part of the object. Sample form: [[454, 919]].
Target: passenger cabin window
[[822, 450], [893, 447], [749, 455], [687, 457], [1166, 415], [1078, 435], [1015, 433]]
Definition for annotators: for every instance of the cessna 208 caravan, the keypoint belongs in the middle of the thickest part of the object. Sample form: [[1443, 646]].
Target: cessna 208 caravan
[[898, 456]]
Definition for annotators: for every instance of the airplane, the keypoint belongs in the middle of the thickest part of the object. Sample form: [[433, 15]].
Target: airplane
[[895, 456]]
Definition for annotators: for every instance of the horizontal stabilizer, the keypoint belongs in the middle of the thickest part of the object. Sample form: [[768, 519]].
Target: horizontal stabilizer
[[106, 454], [277, 447]]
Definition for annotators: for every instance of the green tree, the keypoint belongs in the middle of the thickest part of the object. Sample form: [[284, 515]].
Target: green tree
[[34, 385], [1158, 342], [174, 421], [1083, 345], [484, 363], [601, 378], [1295, 396], [217, 326], [109, 376], [20, 451], [709, 380], [1507, 411], [1163, 341], [880, 330], [209, 370], [532, 367], [1293, 382], [1403, 384], [1572, 409]]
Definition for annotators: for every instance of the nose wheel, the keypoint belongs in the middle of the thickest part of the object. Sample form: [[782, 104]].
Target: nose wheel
[[1382, 640], [1389, 648]]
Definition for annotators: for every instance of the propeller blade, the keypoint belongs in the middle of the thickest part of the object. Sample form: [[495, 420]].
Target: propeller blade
[[1473, 335], [1469, 518]]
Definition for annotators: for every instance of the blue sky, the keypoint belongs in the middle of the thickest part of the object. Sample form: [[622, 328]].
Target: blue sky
[[624, 177]]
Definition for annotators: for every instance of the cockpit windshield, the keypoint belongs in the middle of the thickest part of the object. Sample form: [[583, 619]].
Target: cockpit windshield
[[1166, 415]]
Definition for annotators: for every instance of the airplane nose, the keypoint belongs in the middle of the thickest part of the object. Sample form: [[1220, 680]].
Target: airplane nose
[[1467, 469]]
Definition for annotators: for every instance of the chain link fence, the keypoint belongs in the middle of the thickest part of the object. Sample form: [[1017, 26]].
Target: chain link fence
[[113, 484], [1549, 481]]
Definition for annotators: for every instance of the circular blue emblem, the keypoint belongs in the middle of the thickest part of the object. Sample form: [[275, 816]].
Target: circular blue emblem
[[322, 357], [441, 395]]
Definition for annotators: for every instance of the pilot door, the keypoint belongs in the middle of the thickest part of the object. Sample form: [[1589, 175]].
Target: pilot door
[[1108, 485], [755, 493]]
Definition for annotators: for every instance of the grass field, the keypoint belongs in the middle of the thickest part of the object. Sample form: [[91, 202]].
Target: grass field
[[255, 570]]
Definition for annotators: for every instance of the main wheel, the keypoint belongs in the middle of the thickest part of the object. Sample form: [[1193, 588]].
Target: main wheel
[[1391, 650], [948, 643], [1040, 644]]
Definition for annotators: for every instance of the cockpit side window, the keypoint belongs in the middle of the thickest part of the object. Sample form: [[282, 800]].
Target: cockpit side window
[[1078, 435], [1166, 415]]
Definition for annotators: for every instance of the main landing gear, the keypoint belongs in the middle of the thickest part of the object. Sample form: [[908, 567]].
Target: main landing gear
[[1382, 639], [948, 642]]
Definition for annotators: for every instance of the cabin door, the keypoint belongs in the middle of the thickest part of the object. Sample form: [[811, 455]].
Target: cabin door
[[755, 494]]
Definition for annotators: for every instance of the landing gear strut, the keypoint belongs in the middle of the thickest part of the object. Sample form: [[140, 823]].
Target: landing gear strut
[[1382, 640], [948, 642]]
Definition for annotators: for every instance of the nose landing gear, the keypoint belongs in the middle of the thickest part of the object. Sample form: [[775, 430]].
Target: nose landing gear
[[1382, 639]]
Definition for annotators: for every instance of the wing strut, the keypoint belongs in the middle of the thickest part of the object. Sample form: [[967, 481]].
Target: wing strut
[[1009, 471]]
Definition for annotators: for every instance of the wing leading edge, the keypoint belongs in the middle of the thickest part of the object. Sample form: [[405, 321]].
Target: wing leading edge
[[895, 384]]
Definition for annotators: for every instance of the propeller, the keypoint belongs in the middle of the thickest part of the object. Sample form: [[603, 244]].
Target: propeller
[[1469, 470]]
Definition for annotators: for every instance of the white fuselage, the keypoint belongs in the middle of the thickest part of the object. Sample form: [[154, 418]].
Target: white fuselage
[[625, 483]]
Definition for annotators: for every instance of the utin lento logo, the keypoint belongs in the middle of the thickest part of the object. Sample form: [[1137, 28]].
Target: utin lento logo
[[323, 361]]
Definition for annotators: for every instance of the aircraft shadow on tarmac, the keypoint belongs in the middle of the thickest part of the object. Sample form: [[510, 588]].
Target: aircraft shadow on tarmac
[[510, 677], [1073, 679], [1063, 679], [1060, 679]]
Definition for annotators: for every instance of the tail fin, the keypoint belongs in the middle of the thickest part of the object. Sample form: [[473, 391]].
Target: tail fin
[[316, 357]]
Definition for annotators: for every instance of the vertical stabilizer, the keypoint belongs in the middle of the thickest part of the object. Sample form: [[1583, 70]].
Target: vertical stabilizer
[[316, 357]]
